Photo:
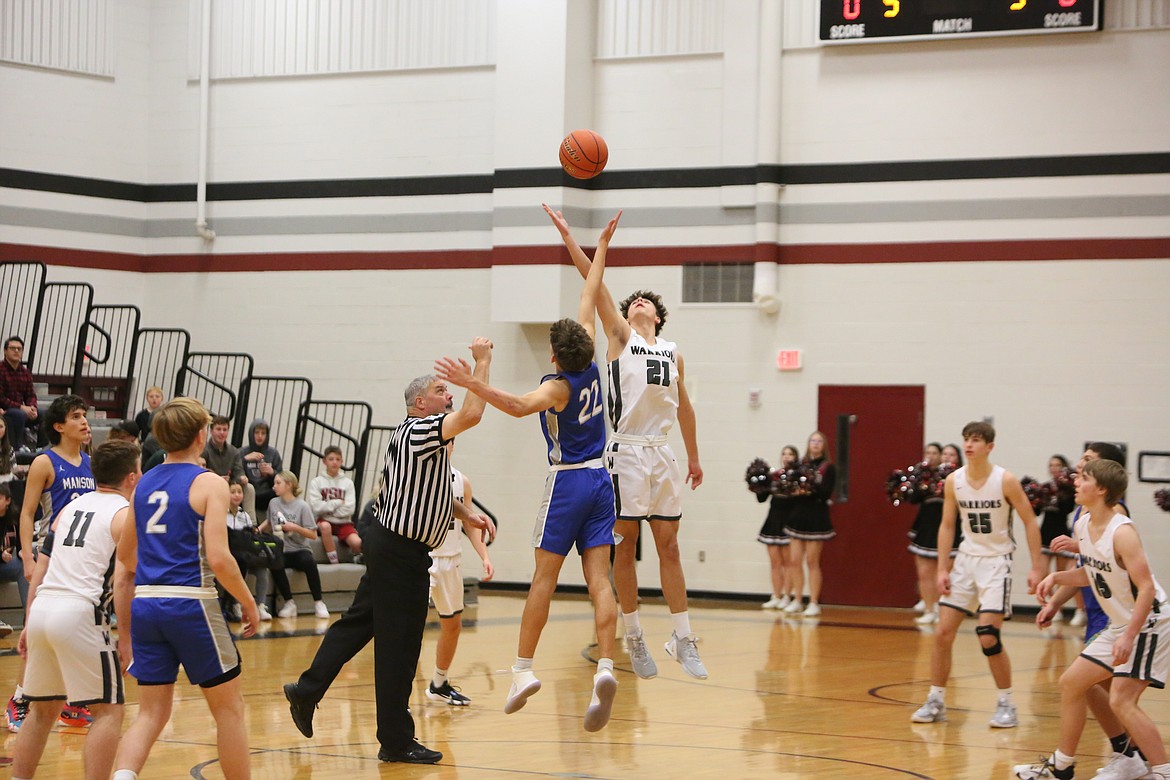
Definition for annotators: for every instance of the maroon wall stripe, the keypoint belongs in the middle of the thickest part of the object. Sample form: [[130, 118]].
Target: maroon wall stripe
[[786, 254]]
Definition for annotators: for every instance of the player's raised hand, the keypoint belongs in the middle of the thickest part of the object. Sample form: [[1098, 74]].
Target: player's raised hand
[[609, 230], [558, 219], [454, 371]]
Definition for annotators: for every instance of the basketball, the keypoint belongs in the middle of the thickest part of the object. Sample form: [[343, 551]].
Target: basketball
[[583, 154]]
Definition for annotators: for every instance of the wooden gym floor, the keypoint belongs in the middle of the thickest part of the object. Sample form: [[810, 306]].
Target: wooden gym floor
[[787, 698]]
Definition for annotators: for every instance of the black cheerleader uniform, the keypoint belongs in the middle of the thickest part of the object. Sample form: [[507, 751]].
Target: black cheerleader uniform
[[809, 519], [773, 531]]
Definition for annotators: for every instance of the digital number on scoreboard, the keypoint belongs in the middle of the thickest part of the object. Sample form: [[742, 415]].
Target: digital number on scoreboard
[[861, 21]]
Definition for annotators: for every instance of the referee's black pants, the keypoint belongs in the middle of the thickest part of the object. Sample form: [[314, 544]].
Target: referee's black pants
[[398, 572], [342, 641]]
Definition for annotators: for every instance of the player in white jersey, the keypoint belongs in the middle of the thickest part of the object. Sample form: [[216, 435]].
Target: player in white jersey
[[1134, 650], [980, 496], [447, 590], [647, 393], [66, 639]]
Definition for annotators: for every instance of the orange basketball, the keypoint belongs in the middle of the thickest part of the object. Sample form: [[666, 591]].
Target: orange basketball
[[583, 154]]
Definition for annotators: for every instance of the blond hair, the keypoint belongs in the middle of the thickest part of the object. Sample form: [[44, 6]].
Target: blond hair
[[290, 479], [178, 422]]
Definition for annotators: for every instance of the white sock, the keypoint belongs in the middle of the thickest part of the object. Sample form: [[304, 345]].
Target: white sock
[[605, 665], [1062, 761], [633, 627], [939, 691], [18, 694], [522, 665], [1005, 696], [125, 774], [682, 624], [439, 679], [331, 556]]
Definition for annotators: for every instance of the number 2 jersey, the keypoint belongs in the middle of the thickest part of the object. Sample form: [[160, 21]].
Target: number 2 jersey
[[643, 387], [984, 515], [576, 434], [170, 533], [1111, 584]]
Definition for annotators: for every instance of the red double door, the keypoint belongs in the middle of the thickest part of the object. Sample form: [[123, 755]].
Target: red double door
[[871, 430]]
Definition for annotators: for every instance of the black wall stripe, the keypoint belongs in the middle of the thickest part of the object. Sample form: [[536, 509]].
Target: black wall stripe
[[827, 173]]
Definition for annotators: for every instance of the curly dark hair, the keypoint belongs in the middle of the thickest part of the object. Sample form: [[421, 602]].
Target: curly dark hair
[[654, 298], [571, 345]]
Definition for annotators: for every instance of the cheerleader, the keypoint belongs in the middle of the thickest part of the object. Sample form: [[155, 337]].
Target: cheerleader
[[1054, 522], [924, 534], [775, 539], [809, 524]]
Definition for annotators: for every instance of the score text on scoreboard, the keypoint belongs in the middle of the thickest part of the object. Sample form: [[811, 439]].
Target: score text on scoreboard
[[860, 21]]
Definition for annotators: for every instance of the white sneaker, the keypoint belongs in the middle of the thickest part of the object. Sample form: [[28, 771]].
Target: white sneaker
[[321, 610], [920, 606], [933, 711], [600, 707], [288, 610], [524, 684], [1078, 619], [238, 611], [785, 600], [926, 618], [772, 603], [1004, 717], [1123, 767], [640, 659], [793, 607], [1058, 617], [812, 610], [685, 651], [264, 613], [1044, 769]]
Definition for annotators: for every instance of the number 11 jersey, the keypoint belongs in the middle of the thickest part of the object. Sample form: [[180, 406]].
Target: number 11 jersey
[[984, 515], [643, 387]]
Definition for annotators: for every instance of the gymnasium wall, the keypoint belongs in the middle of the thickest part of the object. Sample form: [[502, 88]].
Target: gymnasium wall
[[985, 217]]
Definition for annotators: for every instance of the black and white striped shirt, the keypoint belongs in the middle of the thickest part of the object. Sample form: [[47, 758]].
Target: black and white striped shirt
[[415, 501]]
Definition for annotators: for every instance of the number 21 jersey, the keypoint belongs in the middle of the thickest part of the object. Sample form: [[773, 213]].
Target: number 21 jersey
[[984, 515], [643, 387]]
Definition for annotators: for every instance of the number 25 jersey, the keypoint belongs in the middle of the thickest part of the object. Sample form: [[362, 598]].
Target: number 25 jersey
[[643, 387], [984, 515]]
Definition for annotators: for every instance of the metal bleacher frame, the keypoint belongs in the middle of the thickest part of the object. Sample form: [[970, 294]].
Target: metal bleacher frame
[[103, 354]]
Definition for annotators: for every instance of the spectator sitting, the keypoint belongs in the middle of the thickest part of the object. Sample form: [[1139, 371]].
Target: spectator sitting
[[261, 462], [154, 399], [127, 430], [7, 453], [333, 499], [220, 457], [291, 517], [11, 566], [239, 521], [17, 394]]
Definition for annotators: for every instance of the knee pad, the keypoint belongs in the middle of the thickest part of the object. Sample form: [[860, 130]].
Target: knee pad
[[993, 632]]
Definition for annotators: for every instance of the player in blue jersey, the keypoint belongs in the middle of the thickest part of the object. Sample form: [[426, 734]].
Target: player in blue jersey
[[171, 552], [578, 505], [56, 476]]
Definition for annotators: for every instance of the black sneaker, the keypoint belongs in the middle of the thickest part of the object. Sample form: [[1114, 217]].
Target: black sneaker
[[448, 694], [414, 753], [301, 709]]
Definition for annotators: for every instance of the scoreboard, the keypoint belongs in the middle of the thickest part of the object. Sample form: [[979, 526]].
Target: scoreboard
[[858, 21]]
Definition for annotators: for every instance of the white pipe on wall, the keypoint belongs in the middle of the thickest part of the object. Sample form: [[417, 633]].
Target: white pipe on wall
[[204, 118]]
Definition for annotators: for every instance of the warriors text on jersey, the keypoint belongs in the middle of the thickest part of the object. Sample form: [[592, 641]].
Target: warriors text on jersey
[[83, 549], [984, 515], [643, 387], [171, 552], [69, 482], [1111, 584], [575, 434]]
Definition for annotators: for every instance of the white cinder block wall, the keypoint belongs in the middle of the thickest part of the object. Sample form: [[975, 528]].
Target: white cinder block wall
[[1059, 350]]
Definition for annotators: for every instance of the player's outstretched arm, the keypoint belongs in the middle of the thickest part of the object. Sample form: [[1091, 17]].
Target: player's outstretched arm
[[688, 426], [946, 535], [617, 330], [587, 311], [552, 394]]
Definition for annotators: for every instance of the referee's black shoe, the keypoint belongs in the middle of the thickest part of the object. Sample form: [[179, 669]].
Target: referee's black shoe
[[414, 753], [301, 709]]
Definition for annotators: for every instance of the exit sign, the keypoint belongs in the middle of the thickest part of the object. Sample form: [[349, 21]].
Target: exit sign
[[788, 360]]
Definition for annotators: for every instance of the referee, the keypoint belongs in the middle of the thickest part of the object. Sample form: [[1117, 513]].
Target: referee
[[413, 512]]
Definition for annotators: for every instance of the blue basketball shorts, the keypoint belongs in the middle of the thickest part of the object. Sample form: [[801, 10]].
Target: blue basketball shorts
[[168, 632], [577, 509]]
